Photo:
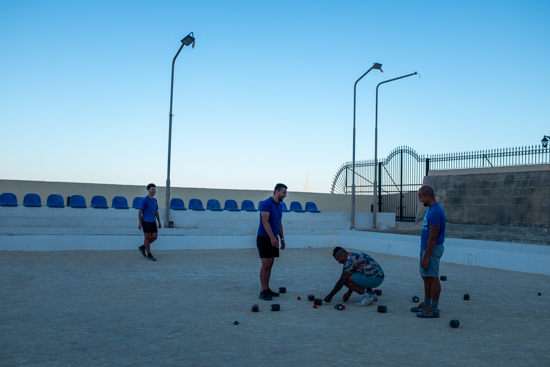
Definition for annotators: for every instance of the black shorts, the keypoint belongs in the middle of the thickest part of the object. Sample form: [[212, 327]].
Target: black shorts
[[265, 248], [149, 227]]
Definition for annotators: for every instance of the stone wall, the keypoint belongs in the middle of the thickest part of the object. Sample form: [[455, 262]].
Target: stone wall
[[500, 199]]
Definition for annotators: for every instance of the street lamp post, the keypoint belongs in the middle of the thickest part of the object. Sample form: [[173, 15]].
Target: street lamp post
[[544, 141], [374, 196], [352, 220], [186, 41]]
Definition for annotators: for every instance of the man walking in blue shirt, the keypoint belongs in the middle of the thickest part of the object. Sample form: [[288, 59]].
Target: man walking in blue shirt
[[267, 241], [431, 249], [148, 210]]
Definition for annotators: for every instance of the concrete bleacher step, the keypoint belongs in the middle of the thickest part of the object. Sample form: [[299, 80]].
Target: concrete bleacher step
[[45, 217], [24, 221]]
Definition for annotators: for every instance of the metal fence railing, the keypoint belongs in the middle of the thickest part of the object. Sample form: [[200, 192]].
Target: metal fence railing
[[403, 171], [518, 156]]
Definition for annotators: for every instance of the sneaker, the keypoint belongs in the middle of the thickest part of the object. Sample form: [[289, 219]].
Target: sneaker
[[428, 313], [265, 295], [151, 257], [374, 296], [418, 308], [142, 249], [366, 300], [271, 293]]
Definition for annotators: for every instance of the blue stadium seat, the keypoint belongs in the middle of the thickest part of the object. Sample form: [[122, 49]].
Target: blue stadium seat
[[248, 206], [285, 209], [136, 203], [177, 204], [213, 205], [120, 202], [295, 206], [55, 201], [231, 205], [8, 199], [99, 202], [311, 207], [32, 200], [195, 204], [77, 201]]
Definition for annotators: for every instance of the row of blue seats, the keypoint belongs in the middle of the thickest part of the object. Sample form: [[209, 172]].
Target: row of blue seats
[[120, 202]]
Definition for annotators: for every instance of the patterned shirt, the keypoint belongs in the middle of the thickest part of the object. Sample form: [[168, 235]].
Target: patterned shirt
[[361, 263]]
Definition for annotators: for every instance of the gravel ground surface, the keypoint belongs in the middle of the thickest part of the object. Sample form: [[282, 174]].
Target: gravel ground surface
[[114, 308]]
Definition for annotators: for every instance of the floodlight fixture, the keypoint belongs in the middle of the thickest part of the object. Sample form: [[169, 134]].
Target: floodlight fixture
[[377, 66], [189, 39]]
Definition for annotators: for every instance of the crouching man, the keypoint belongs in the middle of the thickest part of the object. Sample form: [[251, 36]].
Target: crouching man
[[360, 273]]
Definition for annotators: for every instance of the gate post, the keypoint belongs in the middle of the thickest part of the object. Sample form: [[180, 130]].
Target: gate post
[[379, 187], [401, 187], [427, 166]]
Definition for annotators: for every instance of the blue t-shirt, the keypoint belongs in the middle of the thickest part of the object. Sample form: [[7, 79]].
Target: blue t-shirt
[[148, 209], [435, 216], [275, 211]]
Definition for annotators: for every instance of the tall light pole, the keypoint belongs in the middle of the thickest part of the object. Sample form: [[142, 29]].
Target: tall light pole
[[374, 196], [352, 219], [186, 41]]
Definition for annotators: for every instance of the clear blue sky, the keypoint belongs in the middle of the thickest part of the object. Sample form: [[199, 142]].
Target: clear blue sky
[[266, 95]]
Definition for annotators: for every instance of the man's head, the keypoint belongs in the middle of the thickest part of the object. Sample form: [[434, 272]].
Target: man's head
[[279, 193], [152, 189], [340, 255], [426, 195]]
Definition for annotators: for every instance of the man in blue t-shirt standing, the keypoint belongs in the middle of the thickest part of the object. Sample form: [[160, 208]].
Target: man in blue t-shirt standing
[[148, 211], [267, 241], [431, 249]]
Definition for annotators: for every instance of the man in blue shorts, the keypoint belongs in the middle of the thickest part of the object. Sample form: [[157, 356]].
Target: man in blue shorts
[[360, 273], [148, 210], [432, 238], [271, 227]]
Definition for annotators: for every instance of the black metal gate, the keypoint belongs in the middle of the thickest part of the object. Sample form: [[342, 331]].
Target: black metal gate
[[402, 173], [399, 178]]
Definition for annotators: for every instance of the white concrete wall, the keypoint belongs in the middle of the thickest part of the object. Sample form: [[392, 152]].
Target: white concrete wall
[[489, 254], [47, 229], [44, 228]]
